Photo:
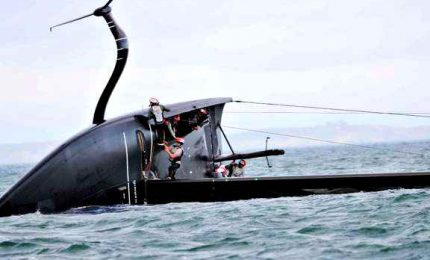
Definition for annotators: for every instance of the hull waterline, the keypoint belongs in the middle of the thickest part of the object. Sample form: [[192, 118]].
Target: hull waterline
[[207, 190]]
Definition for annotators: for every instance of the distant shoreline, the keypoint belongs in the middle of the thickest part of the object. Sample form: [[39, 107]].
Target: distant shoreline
[[369, 135]]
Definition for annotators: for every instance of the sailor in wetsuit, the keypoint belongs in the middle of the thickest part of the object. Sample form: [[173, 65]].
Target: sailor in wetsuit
[[175, 153], [173, 126], [236, 169], [156, 112], [220, 171], [198, 119]]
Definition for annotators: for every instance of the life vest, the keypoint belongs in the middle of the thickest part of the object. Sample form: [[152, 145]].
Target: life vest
[[157, 111]]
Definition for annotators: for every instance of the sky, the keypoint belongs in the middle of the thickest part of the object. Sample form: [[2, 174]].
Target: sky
[[358, 54]]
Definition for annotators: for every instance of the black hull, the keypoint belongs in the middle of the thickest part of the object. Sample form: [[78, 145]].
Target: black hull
[[209, 190], [229, 189]]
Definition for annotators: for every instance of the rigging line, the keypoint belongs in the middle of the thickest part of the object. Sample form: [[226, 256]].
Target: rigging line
[[307, 112], [321, 140], [226, 139], [332, 109]]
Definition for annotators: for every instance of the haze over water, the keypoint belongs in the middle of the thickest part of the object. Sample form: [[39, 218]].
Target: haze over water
[[387, 224]]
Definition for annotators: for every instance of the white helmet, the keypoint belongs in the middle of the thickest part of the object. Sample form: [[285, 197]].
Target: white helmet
[[153, 101]]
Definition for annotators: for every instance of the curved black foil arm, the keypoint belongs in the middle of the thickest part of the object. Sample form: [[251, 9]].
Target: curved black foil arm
[[122, 54]]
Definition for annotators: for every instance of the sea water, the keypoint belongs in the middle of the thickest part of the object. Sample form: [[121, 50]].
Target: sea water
[[391, 224]]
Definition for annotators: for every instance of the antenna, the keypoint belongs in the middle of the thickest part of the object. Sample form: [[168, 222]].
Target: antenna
[[82, 17], [122, 54]]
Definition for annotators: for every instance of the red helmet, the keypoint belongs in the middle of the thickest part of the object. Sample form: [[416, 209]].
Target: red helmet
[[153, 101], [242, 162], [180, 140]]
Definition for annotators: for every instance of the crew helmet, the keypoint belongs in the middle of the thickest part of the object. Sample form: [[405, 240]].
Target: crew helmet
[[242, 163], [180, 140], [153, 101]]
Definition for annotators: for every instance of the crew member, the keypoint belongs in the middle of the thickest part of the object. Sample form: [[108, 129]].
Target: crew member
[[220, 171], [156, 112], [236, 169], [198, 119], [175, 153], [172, 126], [202, 116]]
